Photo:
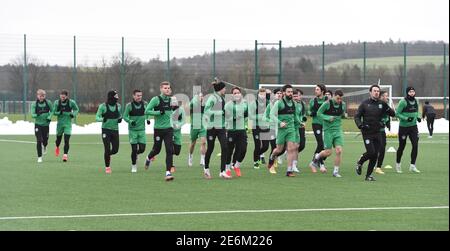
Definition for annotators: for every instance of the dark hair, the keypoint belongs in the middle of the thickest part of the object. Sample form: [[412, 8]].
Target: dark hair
[[295, 92], [382, 92], [372, 86], [135, 91], [339, 93], [286, 87], [322, 87], [164, 83], [236, 88], [64, 92], [330, 92], [427, 102], [300, 91], [276, 90]]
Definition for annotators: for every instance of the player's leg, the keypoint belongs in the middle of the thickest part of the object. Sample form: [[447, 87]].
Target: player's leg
[[193, 137], [221, 136], [38, 134], [241, 151], [66, 147], [337, 161], [373, 149], [414, 138], [370, 151], [59, 136], [156, 149], [402, 135], [328, 137], [231, 148], [381, 153], [302, 143], [291, 153], [211, 139], [106, 139], [257, 149], [168, 144], [45, 136], [202, 148]]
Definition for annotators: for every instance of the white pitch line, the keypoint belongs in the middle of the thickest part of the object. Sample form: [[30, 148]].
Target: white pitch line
[[219, 212]]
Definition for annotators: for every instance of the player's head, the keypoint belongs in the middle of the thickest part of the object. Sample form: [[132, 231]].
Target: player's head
[[40, 94], [288, 91], [329, 94], [300, 94], [295, 95], [237, 94], [113, 97], [410, 92], [262, 93], [137, 95], [165, 88], [374, 91], [278, 93], [384, 96], [219, 87], [319, 90], [338, 95], [63, 95]]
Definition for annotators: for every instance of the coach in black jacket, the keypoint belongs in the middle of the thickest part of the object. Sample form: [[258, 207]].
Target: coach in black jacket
[[368, 119]]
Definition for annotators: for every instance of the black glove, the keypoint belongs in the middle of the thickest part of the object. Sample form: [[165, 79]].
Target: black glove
[[304, 119], [148, 122], [245, 114], [388, 125], [49, 120], [104, 119], [162, 111], [119, 120], [133, 123], [419, 120], [410, 119], [313, 114], [71, 115]]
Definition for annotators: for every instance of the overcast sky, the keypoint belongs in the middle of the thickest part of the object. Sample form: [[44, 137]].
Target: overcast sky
[[294, 22]]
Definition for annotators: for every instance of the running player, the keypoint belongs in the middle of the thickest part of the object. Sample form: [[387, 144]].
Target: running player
[[314, 105], [41, 112], [198, 130]]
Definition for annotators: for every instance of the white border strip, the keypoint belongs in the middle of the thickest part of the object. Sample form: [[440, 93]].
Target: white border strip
[[220, 212]]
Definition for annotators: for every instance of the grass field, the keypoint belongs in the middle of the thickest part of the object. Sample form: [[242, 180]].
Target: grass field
[[81, 188], [390, 62]]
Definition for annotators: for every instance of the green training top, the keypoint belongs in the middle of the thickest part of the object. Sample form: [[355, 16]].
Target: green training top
[[112, 114], [196, 113], [236, 115], [178, 118], [162, 121], [63, 110], [407, 109], [314, 105], [335, 111], [135, 112], [42, 112], [257, 113], [282, 113], [215, 111]]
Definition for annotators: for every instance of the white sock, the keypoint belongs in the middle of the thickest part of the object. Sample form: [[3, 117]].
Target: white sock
[[238, 164], [413, 166], [294, 163], [289, 169], [190, 156], [202, 157], [167, 172], [227, 167], [397, 165], [261, 156], [336, 169]]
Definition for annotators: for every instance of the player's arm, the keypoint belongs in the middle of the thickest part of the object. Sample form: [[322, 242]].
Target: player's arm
[[311, 111], [398, 113], [33, 110], [344, 109], [100, 111], [209, 105], [274, 113], [56, 111], [251, 110], [359, 115], [126, 113], [50, 113], [150, 110], [75, 108], [320, 113]]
